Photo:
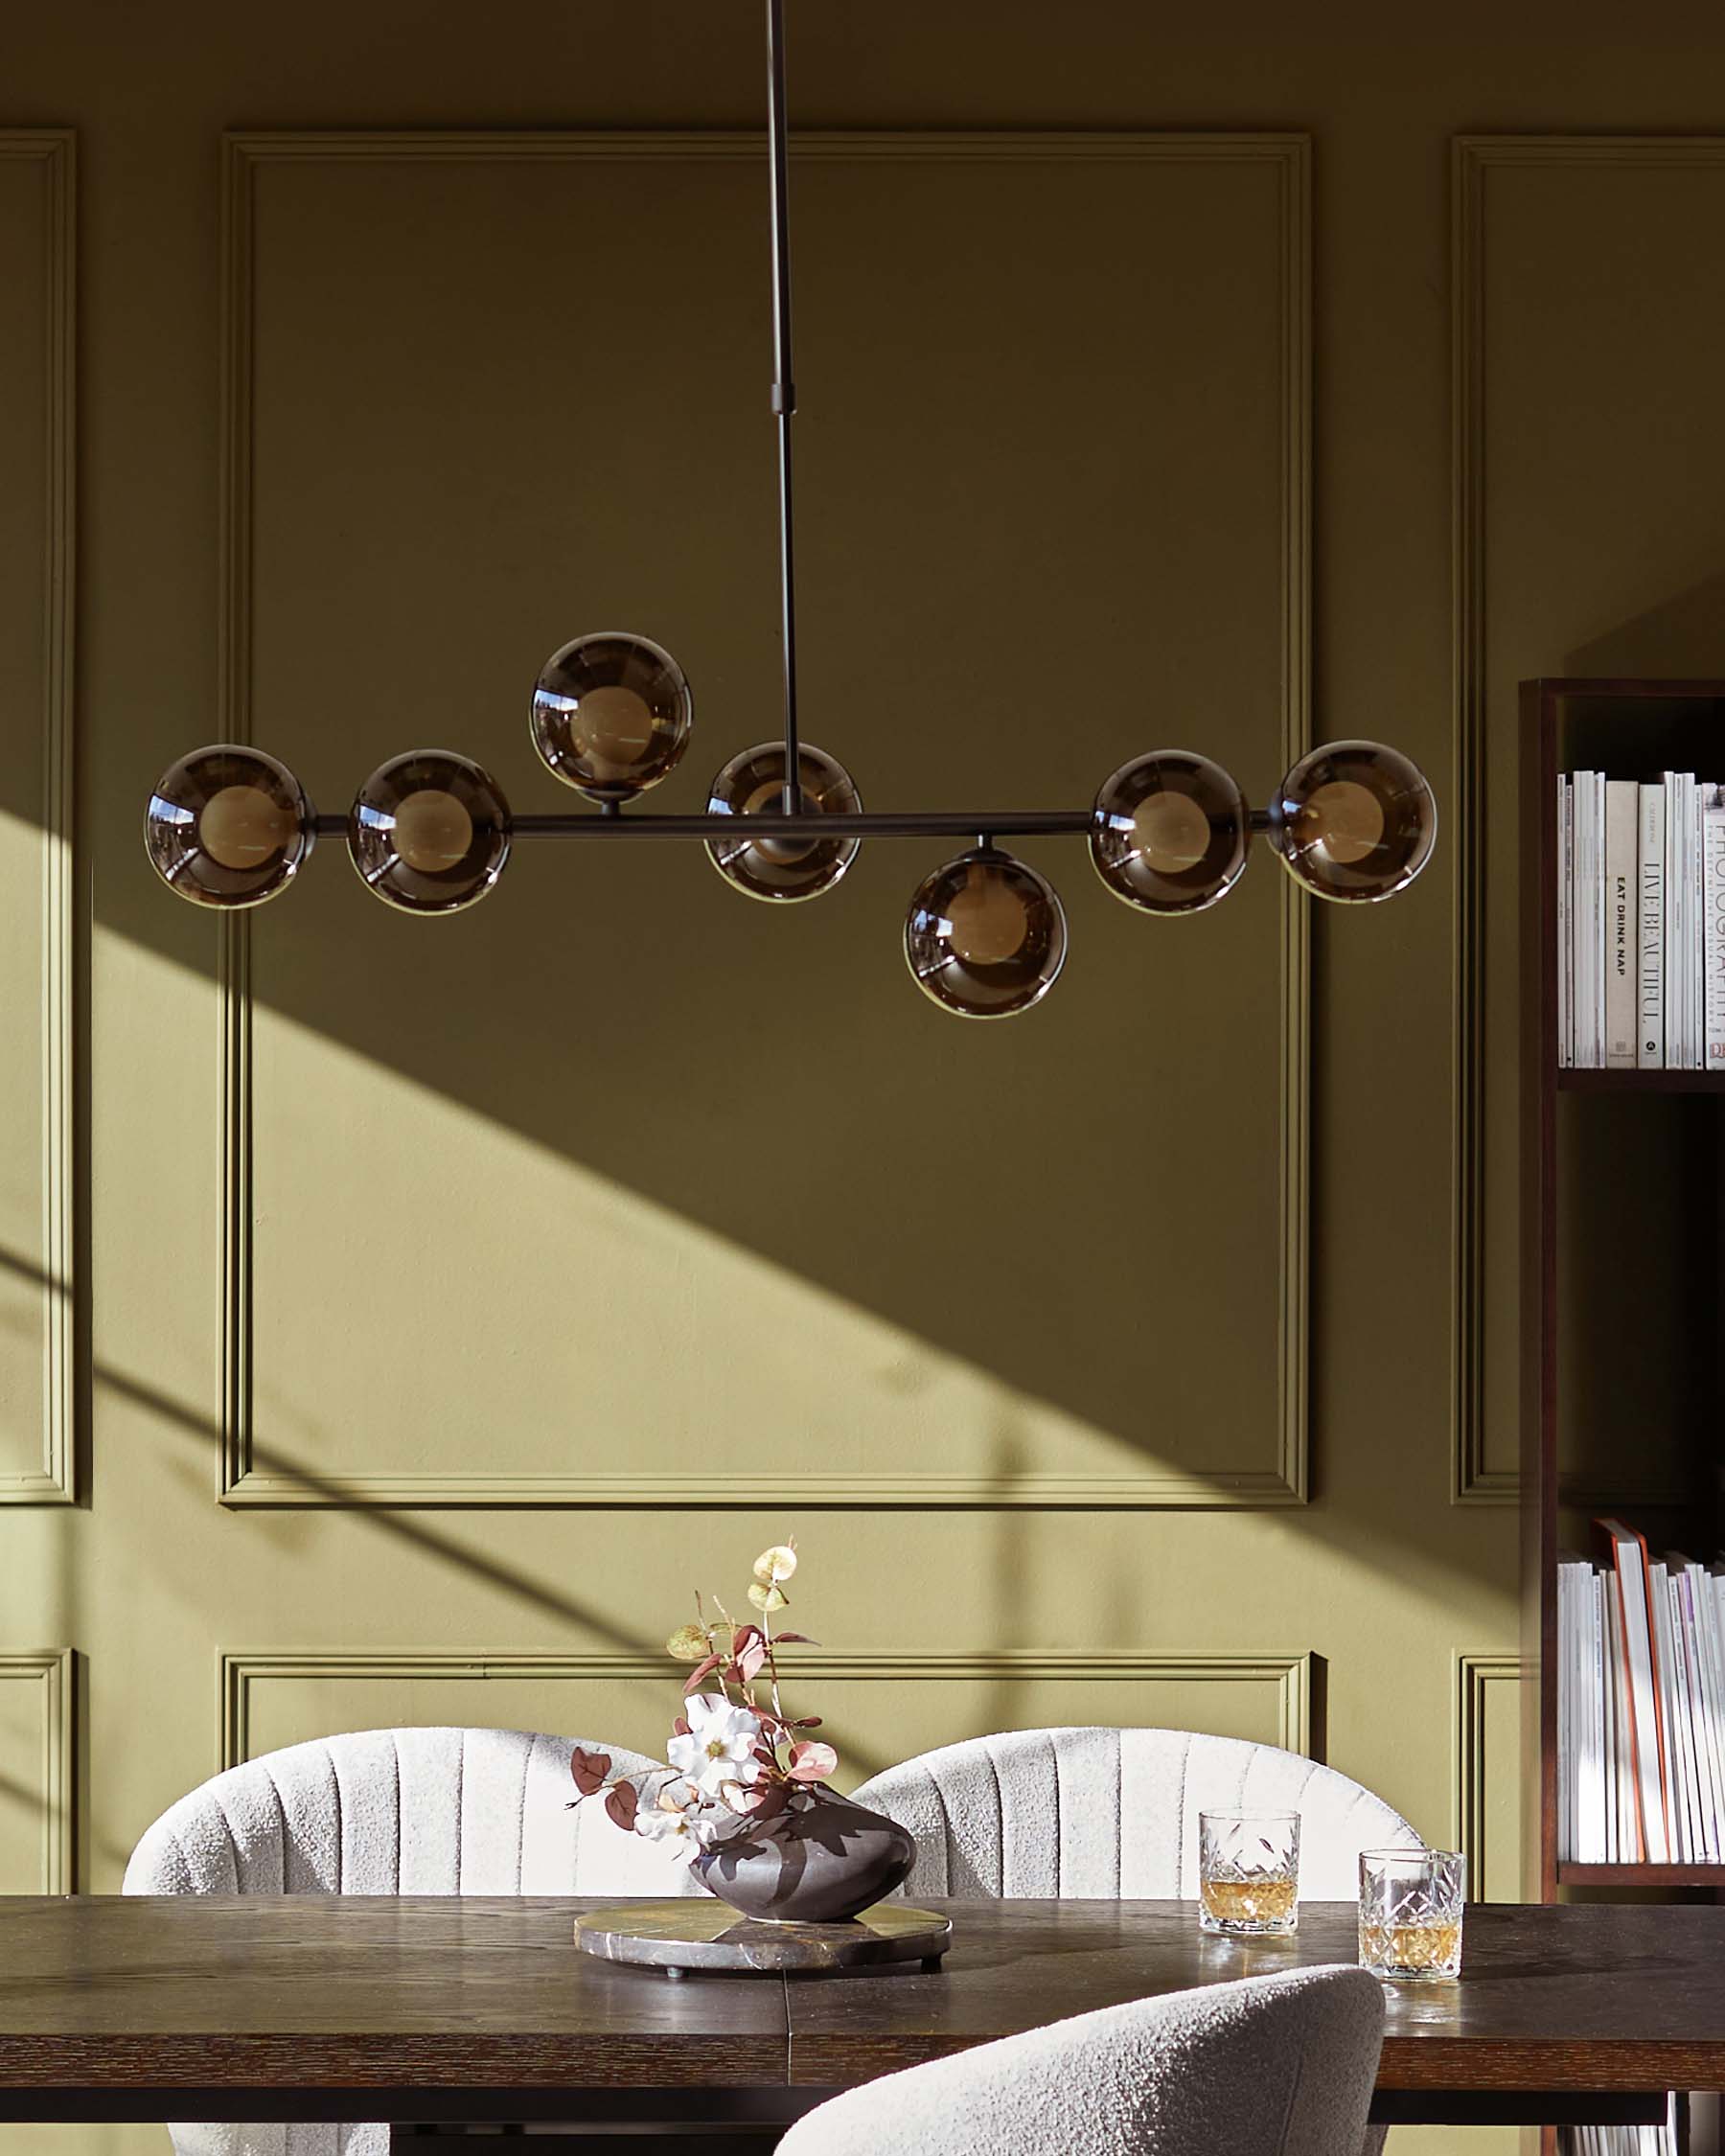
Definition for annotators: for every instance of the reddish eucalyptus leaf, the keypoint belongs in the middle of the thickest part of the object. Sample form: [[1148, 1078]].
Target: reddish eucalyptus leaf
[[745, 1638], [750, 1661], [807, 1721], [621, 1804], [589, 1769], [793, 1640], [774, 1796], [699, 1675], [680, 1726], [812, 1762]]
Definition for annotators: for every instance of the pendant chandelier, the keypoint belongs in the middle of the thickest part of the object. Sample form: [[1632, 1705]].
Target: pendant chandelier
[[985, 935]]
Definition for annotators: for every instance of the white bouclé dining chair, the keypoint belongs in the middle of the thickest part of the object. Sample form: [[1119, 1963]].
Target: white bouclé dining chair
[[412, 1811], [1274, 2066], [1104, 1813]]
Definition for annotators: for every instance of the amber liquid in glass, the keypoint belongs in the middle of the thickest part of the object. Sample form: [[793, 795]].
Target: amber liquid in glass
[[1262, 1904], [1412, 1949]]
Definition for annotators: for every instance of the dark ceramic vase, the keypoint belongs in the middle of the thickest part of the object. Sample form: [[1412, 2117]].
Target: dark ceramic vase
[[819, 1861]]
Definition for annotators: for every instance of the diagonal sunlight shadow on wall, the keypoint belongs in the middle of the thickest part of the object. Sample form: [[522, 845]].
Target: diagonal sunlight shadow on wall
[[411, 1530], [436, 1296]]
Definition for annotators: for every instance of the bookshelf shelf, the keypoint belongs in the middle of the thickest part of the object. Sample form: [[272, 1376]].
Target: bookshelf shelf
[[1641, 1081], [1640, 1875], [1616, 1364]]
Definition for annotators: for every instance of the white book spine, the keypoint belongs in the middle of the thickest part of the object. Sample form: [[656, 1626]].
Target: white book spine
[[1596, 929], [1568, 1801], [1589, 920], [1650, 1045], [1566, 923], [1712, 925], [1622, 845], [1596, 1844], [1673, 922], [1685, 1615], [1673, 1784]]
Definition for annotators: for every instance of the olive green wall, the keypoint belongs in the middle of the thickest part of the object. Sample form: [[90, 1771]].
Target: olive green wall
[[1150, 1360]]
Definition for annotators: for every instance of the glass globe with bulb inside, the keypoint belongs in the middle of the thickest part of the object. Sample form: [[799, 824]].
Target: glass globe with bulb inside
[[612, 715], [428, 832], [1170, 832], [985, 936], [1354, 821], [228, 826], [782, 869]]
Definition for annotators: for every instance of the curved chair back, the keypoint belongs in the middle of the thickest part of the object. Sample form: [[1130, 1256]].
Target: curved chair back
[[1104, 1813], [1283, 2063], [433, 1811]]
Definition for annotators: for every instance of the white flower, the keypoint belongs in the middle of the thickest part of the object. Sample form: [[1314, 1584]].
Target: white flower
[[720, 1746], [678, 1815]]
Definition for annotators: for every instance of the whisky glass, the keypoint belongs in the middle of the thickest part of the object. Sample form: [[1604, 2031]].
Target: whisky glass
[[1249, 1873], [1411, 1903]]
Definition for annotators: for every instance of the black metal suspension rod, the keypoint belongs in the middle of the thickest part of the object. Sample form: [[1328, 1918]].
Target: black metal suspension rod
[[784, 387], [931, 823]]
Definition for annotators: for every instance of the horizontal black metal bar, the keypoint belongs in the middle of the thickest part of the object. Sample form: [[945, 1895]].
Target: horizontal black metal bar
[[940, 823], [1516, 2107], [913, 823]]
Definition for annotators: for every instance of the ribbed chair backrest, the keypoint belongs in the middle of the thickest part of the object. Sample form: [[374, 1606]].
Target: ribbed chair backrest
[[1104, 1813], [430, 1811], [1274, 2066]]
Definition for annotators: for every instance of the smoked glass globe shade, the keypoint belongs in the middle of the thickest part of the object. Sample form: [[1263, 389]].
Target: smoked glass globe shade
[[753, 784], [1354, 821], [228, 826], [428, 832], [1170, 832], [612, 715], [985, 936]]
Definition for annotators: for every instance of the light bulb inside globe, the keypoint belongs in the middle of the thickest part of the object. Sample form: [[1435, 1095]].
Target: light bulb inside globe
[[1170, 832], [228, 826], [782, 869], [985, 936], [612, 715], [429, 832], [1354, 821]]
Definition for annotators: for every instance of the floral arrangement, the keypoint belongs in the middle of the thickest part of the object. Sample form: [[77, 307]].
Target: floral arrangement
[[734, 1755]]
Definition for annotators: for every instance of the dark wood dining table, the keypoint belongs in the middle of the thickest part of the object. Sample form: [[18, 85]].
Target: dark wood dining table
[[433, 2013]]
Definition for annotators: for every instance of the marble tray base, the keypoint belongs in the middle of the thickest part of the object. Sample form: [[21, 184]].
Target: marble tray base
[[679, 1935]]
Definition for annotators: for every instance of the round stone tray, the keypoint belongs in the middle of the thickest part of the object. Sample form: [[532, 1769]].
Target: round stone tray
[[677, 1936]]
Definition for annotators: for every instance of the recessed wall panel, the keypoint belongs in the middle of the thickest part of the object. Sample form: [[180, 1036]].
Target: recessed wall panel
[[875, 1709], [1591, 541], [35, 890], [622, 1187]]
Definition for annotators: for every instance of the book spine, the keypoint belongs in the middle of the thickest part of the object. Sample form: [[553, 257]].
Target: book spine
[[1585, 907], [1567, 1805], [1697, 895], [1622, 842], [1566, 923], [1673, 922], [1713, 924], [1650, 1045], [1596, 928]]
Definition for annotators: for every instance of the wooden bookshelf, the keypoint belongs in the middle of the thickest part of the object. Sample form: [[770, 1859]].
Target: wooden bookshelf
[[1641, 1081], [1630, 729]]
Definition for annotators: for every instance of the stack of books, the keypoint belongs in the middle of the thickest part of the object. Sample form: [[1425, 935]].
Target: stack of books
[[1641, 1707], [1641, 923]]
